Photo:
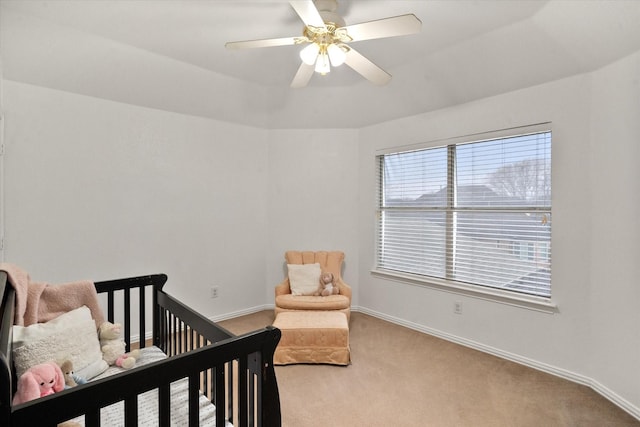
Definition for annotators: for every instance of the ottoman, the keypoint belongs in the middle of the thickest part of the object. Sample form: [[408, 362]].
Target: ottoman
[[312, 337]]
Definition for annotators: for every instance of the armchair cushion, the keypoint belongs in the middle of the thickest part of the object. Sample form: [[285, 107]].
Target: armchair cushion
[[304, 279], [308, 302]]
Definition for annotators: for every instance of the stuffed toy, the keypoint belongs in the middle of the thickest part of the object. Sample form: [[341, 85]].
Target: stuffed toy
[[38, 381], [128, 360], [327, 286], [113, 346], [70, 378], [67, 370]]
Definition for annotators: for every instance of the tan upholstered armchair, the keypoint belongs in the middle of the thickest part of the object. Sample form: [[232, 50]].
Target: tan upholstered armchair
[[329, 261]]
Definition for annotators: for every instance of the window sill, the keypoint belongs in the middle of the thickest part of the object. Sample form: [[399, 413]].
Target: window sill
[[529, 302]]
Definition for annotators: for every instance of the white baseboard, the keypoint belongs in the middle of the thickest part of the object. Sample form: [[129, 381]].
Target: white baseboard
[[244, 312], [618, 400], [559, 372]]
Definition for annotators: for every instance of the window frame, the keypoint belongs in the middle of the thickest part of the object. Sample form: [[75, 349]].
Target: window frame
[[535, 302]]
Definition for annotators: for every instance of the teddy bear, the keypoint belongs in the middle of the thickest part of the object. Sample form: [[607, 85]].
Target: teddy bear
[[40, 380], [327, 285], [67, 371], [113, 346], [70, 378]]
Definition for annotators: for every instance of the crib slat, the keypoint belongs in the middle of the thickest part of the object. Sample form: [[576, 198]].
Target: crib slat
[[92, 418], [165, 331], [131, 412], [110, 305], [229, 368], [181, 337], [176, 335], [219, 400], [127, 319], [254, 386], [173, 338], [192, 336], [164, 405], [194, 404], [243, 394], [156, 322], [205, 382], [170, 320], [142, 329]]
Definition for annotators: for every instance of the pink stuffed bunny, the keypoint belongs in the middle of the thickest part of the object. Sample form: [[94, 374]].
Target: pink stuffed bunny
[[38, 381]]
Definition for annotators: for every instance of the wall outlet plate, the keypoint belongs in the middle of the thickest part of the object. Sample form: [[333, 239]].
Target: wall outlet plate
[[457, 307]]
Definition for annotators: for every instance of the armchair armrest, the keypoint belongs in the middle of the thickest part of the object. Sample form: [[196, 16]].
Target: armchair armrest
[[344, 288], [283, 288]]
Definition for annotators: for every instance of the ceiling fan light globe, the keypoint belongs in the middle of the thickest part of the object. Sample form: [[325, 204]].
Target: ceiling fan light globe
[[310, 53], [336, 55], [322, 64]]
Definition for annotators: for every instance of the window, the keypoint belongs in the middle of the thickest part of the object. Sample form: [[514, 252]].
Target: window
[[470, 212]]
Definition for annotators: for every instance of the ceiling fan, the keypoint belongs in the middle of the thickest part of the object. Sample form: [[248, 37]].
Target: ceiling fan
[[327, 40]]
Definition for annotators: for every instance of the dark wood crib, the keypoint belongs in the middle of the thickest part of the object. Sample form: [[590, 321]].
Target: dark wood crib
[[235, 373]]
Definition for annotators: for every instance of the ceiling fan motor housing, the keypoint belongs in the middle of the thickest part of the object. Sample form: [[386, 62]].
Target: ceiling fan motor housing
[[332, 18], [326, 5], [327, 10]]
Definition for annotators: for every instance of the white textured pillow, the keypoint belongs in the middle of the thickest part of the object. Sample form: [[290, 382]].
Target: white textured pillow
[[304, 279], [72, 335]]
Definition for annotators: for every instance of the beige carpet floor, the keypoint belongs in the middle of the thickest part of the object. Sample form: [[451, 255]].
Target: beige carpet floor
[[401, 377]]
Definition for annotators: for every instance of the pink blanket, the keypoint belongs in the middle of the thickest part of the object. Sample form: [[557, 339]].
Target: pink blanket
[[41, 302]]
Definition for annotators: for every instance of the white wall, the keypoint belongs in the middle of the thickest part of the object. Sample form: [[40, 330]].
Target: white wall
[[313, 198], [583, 267], [615, 228], [99, 190]]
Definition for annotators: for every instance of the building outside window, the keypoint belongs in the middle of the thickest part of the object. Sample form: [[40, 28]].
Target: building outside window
[[471, 212]]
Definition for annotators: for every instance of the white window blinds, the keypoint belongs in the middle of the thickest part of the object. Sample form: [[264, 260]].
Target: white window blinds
[[477, 213]]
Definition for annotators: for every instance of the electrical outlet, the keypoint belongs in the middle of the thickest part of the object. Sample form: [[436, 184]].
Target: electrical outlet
[[457, 307], [214, 292]]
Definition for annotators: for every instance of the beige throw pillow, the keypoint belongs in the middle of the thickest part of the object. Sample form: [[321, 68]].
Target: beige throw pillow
[[304, 278], [71, 336]]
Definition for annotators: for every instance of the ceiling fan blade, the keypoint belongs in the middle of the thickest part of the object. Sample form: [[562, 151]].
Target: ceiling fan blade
[[247, 44], [303, 76], [368, 69], [307, 11], [388, 27]]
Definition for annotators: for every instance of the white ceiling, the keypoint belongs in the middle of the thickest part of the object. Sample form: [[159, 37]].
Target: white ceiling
[[170, 55]]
